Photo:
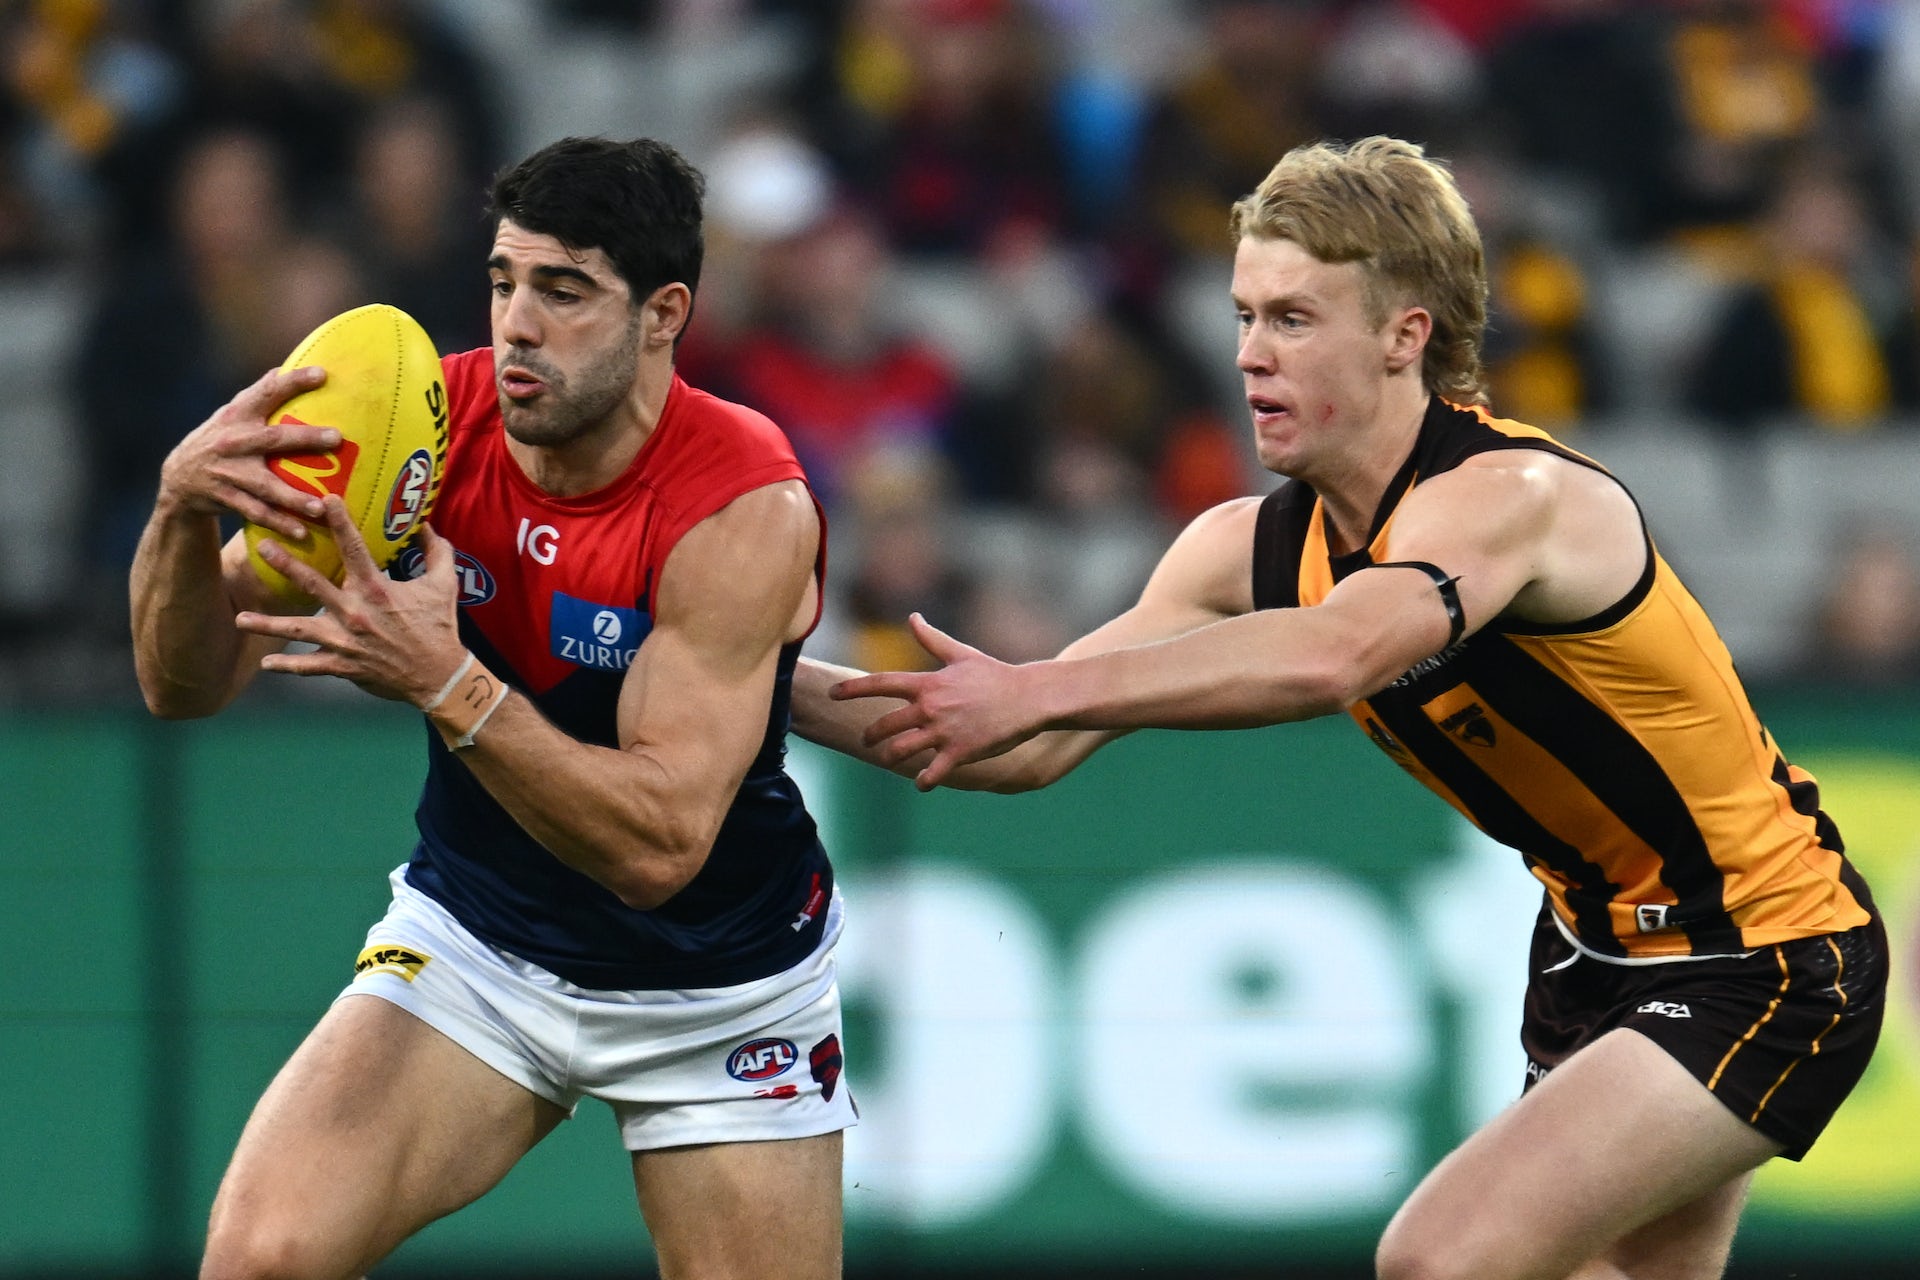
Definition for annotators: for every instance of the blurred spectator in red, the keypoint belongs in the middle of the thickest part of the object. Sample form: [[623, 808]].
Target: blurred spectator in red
[[947, 122], [823, 359], [418, 223], [1804, 338]]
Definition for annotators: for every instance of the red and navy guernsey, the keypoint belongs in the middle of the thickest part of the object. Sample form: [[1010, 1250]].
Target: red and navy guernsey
[[554, 598]]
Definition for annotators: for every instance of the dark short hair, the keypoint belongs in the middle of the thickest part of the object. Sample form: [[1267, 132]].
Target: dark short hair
[[638, 202]]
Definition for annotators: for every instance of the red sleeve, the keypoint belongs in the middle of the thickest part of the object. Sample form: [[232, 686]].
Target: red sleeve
[[725, 451], [719, 451]]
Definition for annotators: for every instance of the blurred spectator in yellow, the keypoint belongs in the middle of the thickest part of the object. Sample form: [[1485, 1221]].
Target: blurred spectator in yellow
[[1744, 92], [1543, 351], [1215, 131], [85, 89], [1804, 338]]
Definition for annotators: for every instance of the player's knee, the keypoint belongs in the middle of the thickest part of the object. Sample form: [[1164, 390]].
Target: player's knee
[[269, 1251], [1406, 1253]]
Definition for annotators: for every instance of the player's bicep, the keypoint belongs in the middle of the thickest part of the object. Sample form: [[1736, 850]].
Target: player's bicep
[[1483, 528], [697, 696]]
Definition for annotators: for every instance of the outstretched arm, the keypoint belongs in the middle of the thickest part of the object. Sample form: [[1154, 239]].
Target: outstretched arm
[[1536, 535], [1204, 577]]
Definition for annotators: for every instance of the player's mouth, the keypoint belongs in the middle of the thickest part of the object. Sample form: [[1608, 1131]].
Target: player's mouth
[[1267, 411], [519, 384]]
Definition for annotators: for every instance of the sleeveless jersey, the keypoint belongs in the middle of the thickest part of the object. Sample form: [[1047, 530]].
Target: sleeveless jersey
[[555, 599], [1619, 754]]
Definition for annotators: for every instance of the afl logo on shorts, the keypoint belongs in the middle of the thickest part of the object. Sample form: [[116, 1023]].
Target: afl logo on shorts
[[409, 496], [761, 1059]]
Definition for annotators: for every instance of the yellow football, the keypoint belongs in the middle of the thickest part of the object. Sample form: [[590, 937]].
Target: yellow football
[[385, 395]]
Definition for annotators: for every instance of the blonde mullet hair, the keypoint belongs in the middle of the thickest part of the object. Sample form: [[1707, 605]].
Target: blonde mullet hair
[[1384, 204]]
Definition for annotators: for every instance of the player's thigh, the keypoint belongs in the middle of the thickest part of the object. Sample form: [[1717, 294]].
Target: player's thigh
[[377, 1125], [1617, 1137], [770, 1210]]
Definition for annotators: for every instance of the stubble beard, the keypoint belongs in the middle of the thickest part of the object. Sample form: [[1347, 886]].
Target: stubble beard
[[566, 411]]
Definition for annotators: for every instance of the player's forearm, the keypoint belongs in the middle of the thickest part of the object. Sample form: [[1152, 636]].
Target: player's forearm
[[187, 655], [616, 816], [1259, 669], [838, 726]]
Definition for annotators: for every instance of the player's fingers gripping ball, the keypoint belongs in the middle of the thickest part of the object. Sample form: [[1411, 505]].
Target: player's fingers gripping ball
[[385, 395]]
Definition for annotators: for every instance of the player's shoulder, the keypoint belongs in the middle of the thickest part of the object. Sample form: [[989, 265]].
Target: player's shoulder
[[728, 415], [1232, 520]]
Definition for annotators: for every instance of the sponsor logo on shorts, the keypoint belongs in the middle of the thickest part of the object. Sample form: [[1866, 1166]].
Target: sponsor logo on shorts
[[398, 961], [825, 1060], [409, 496], [778, 1091], [762, 1059], [1666, 1009], [1651, 916]]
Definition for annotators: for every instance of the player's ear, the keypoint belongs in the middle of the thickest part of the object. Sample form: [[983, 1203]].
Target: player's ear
[[1407, 333], [665, 313]]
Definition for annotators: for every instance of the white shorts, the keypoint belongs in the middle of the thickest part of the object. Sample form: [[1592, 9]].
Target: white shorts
[[746, 1063]]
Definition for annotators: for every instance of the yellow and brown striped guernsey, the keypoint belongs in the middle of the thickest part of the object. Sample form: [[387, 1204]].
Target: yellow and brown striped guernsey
[[1619, 754]]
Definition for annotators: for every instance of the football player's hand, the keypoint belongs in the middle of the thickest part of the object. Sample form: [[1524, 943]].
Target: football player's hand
[[221, 465], [972, 708], [398, 640]]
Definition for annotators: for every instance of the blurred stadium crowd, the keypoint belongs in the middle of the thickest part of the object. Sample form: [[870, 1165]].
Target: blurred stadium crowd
[[972, 255]]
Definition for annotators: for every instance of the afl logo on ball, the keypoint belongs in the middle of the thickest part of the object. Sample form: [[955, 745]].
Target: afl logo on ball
[[761, 1059], [409, 496]]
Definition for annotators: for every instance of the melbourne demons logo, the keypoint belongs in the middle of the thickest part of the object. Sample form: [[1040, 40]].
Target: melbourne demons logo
[[826, 1061], [408, 500], [762, 1059]]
